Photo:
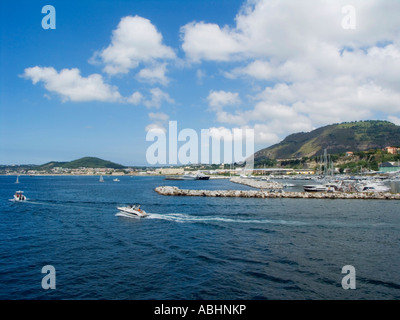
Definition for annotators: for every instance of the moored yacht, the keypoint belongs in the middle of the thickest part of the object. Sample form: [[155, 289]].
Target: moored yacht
[[372, 187], [202, 176], [315, 188]]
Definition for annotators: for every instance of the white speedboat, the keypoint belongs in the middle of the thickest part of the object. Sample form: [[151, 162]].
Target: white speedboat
[[19, 196], [133, 210], [373, 187], [315, 188], [116, 180], [319, 188]]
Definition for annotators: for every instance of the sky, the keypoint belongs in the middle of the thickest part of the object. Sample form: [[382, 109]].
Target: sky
[[109, 72]]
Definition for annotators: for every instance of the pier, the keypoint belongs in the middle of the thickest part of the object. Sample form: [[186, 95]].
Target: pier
[[175, 191]]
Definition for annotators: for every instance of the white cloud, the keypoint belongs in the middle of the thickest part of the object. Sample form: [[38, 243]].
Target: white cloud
[[70, 85], [219, 99], [154, 74], [305, 69], [207, 41], [158, 116], [136, 98], [155, 127], [159, 122], [157, 98], [395, 120], [134, 41], [286, 29]]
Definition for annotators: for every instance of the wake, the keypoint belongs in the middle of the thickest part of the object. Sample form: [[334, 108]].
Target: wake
[[185, 218]]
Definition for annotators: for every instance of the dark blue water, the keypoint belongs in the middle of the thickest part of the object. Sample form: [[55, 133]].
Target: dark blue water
[[191, 248]]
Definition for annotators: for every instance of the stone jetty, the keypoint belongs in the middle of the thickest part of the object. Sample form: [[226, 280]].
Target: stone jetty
[[258, 184], [175, 191]]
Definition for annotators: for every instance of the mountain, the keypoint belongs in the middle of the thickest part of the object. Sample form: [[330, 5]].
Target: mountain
[[336, 138], [87, 162]]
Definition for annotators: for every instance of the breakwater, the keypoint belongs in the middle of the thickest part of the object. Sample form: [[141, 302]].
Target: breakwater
[[259, 184], [175, 191]]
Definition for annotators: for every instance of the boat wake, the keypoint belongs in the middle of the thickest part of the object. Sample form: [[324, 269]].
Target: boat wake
[[127, 215], [186, 218]]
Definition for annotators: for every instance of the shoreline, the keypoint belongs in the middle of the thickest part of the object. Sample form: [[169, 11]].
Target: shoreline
[[95, 175]]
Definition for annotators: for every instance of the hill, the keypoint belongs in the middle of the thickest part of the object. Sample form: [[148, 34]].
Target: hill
[[336, 138], [86, 162]]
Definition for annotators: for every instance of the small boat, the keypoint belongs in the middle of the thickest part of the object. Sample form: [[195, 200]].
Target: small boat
[[19, 196], [202, 176], [373, 187], [101, 179], [316, 188], [173, 178], [116, 180], [189, 177], [288, 185], [133, 210], [17, 181]]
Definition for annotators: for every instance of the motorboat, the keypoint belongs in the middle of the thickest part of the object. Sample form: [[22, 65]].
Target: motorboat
[[288, 185], [133, 210], [319, 188], [116, 180], [19, 196], [189, 177], [202, 176], [315, 188], [199, 176], [373, 187], [173, 178]]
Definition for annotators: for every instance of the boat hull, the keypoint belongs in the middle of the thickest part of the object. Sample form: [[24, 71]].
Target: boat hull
[[133, 212]]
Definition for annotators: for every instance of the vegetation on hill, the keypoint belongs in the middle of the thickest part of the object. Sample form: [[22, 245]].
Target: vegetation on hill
[[87, 162], [336, 138]]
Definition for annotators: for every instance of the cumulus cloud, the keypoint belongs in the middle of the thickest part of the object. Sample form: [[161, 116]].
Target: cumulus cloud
[[136, 98], [305, 68], [285, 29], [159, 116], [157, 98], [154, 74], [134, 41], [206, 41], [71, 86], [219, 99], [159, 122]]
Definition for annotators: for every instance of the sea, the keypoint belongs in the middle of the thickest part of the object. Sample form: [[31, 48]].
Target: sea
[[191, 248]]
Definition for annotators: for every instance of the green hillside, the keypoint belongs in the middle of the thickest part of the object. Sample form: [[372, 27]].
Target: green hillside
[[87, 162], [336, 138]]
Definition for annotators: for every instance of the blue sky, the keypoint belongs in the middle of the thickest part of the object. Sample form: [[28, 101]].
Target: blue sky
[[112, 70]]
